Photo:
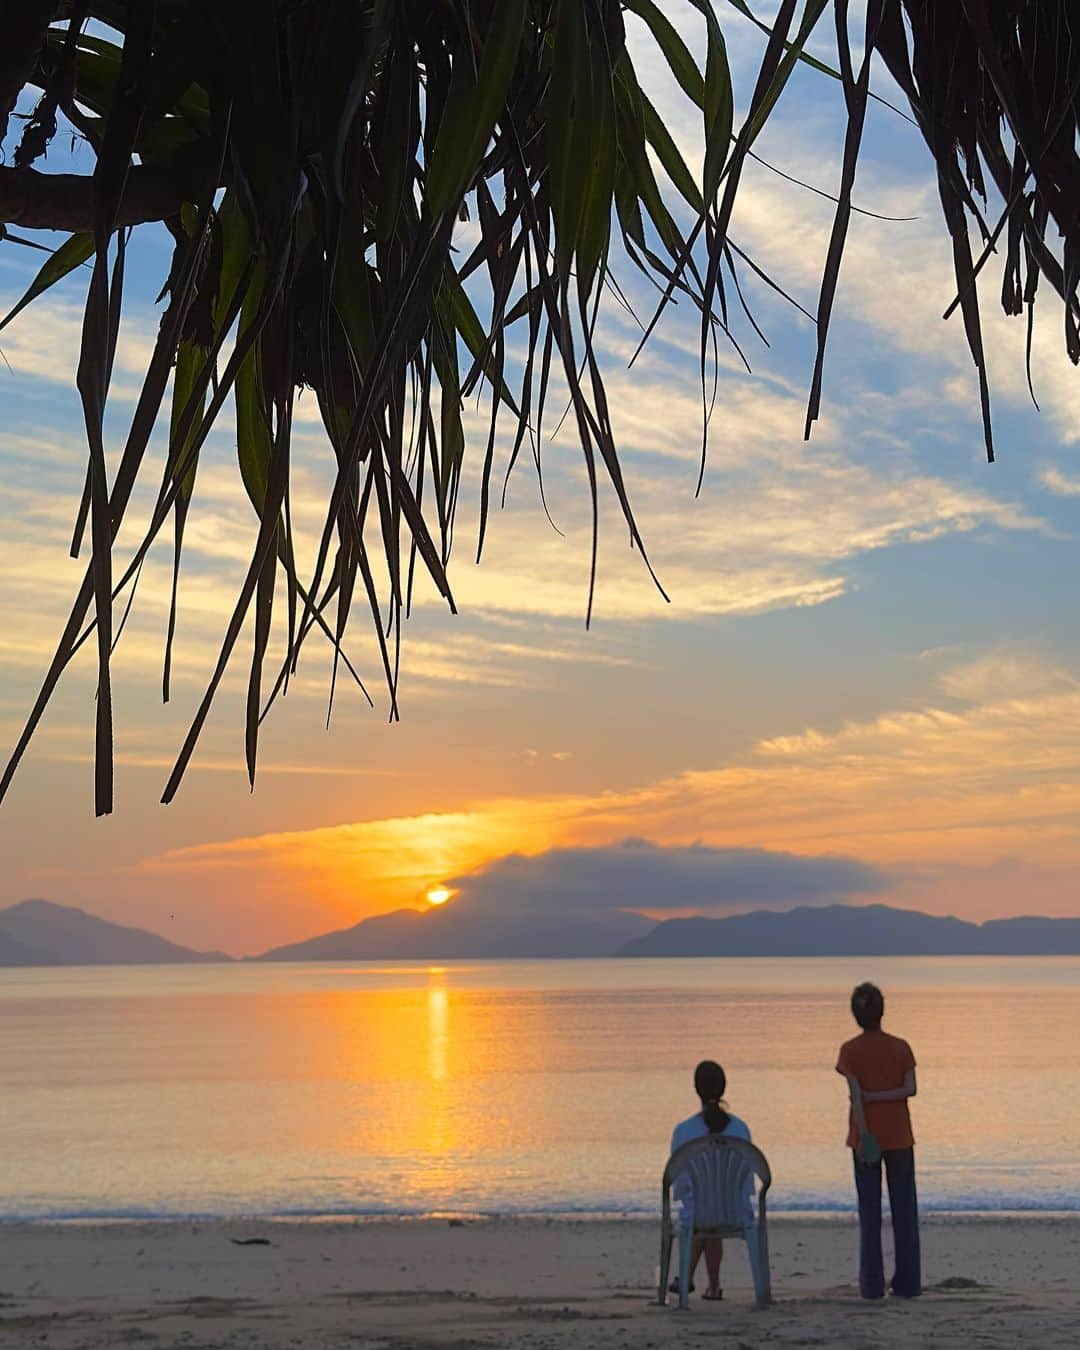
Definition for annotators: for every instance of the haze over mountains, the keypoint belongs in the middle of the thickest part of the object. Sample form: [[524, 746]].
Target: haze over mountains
[[38, 933]]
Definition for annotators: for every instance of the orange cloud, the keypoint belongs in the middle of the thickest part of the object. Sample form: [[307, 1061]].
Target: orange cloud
[[963, 783]]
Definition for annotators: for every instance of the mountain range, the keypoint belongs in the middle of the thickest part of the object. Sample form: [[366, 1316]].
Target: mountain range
[[469, 930], [38, 933], [809, 930], [856, 930]]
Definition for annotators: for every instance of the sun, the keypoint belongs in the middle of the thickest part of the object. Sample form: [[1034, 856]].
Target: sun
[[438, 895]]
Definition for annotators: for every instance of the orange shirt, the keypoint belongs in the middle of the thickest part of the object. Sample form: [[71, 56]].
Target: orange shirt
[[879, 1062]]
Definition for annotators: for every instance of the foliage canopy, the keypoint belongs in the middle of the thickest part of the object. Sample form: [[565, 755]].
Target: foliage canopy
[[311, 159]]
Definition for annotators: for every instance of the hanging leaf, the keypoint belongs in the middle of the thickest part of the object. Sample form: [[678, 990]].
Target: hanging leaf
[[403, 206]]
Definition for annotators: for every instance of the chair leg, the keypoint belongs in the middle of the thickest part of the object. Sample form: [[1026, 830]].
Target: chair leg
[[763, 1257], [666, 1238], [686, 1247], [757, 1249]]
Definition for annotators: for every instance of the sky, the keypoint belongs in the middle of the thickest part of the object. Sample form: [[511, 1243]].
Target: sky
[[869, 658]]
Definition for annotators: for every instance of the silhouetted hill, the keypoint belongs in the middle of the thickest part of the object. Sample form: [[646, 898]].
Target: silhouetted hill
[[385, 937], [463, 929], [15, 953], [855, 930], [1030, 936], [39, 933]]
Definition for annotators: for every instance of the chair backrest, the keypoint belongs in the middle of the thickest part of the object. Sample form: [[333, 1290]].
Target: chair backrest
[[719, 1172]]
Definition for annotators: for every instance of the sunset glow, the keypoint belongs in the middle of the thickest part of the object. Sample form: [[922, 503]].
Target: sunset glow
[[834, 675], [536, 738]]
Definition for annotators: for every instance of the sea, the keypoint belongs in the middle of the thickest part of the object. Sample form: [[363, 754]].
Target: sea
[[513, 1087]]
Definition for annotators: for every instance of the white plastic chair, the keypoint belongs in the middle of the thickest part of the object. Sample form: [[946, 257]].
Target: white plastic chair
[[719, 1173]]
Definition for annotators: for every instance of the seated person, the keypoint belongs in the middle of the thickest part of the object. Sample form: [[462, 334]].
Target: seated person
[[710, 1084]]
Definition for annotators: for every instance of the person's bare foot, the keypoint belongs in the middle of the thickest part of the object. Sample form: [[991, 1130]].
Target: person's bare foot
[[713, 1295]]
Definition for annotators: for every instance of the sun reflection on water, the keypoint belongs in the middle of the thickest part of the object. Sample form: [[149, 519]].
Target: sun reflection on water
[[423, 1087], [438, 1004]]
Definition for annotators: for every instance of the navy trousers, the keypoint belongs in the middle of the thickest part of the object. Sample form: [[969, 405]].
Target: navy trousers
[[903, 1202]]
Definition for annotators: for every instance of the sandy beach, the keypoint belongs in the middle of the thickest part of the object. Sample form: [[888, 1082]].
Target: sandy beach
[[521, 1283]]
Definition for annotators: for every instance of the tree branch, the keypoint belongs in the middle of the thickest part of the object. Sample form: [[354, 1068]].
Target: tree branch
[[24, 24], [65, 201]]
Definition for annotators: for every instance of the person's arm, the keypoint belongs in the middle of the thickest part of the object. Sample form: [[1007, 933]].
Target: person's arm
[[855, 1091], [857, 1099], [899, 1094]]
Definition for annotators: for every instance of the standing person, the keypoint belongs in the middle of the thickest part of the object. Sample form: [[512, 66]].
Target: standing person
[[710, 1084], [880, 1070]]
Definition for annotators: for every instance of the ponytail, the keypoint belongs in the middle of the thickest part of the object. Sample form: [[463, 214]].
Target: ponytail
[[715, 1117], [710, 1083]]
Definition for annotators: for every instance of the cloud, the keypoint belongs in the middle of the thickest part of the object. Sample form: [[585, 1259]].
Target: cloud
[[591, 901], [778, 525], [987, 772], [1055, 481], [44, 343], [1010, 670], [940, 769], [787, 232], [646, 877]]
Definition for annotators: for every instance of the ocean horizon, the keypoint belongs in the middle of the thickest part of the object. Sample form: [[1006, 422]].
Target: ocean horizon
[[548, 1088]]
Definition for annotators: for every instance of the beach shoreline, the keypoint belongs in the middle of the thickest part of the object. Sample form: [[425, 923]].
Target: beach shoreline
[[841, 1214], [584, 1283]]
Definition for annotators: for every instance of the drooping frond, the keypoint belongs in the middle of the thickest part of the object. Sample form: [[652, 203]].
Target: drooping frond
[[312, 162], [994, 86]]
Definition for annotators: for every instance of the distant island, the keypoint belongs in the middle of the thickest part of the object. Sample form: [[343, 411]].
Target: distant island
[[856, 930], [39, 933], [809, 930], [464, 930]]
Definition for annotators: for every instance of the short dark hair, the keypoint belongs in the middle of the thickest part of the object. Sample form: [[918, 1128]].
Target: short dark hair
[[867, 1006]]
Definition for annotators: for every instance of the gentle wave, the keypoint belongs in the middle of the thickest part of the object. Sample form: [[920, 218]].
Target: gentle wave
[[805, 1205]]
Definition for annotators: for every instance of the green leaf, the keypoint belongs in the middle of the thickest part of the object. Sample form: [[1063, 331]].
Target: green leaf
[[567, 132], [190, 363], [473, 104], [525, 305], [719, 107], [452, 438], [745, 9], [598, 187], [638, 170], [683, 66], [352, 300], [465, 319], [253, 442], [670, 156], [72, 253], [395, 129], [793, 53]]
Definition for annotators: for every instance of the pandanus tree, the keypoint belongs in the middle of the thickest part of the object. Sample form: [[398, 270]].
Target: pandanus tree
[[311, 160]]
